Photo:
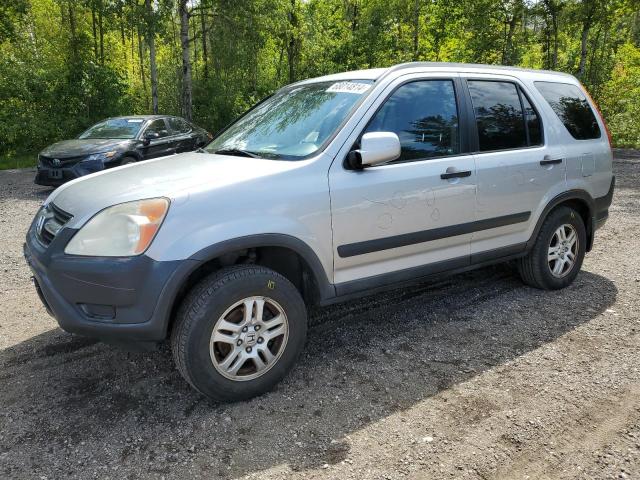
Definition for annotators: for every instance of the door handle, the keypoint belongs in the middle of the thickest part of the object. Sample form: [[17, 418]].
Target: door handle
[[550, 161], [462, 174]]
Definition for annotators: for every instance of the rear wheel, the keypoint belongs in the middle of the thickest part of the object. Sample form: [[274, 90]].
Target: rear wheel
[[239, 332], [558, 252]]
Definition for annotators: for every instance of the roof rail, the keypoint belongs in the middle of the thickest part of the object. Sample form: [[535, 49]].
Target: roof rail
[[469, 66]]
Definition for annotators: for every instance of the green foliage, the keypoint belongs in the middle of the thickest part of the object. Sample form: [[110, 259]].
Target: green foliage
[[620, 98], [23, 160], [65, 64]]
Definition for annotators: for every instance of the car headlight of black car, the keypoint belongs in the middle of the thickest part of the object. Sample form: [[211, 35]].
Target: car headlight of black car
[[101, 157]]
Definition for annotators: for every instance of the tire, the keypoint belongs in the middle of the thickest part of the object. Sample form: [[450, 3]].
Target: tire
[[128, 160], [537, 269], [223, 296]]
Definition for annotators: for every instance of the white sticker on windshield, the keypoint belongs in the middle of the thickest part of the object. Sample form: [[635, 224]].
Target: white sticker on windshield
[[134, 120], [349, 87]]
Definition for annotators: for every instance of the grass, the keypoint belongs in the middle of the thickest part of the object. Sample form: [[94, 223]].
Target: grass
[[18, 160]]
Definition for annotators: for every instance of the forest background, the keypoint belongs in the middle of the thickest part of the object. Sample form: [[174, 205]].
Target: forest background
[[65, 64]]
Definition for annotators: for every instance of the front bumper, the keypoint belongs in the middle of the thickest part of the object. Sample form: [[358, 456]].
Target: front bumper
[[56, 176], [124, 300], [53, 177]]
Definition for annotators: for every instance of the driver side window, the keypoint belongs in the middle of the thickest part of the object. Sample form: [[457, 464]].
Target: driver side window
[[424, 115]]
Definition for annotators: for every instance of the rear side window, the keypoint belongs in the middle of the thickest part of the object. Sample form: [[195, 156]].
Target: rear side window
[[179, 125], [158, 126], [571, 106], [499, 115], [424, 115]]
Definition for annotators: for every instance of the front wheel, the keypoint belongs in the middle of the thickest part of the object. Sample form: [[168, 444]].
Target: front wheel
[[239, 332], [558, 252]]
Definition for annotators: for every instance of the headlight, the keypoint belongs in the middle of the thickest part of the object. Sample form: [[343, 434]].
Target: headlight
[[99, 156], [120, 231]]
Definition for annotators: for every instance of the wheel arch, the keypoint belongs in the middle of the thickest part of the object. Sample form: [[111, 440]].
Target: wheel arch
[[285, 254], [579, 200], [132, 153]]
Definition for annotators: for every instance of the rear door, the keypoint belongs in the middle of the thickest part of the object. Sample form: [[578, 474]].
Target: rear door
[[182, 131], [520, 164], [392, 219]]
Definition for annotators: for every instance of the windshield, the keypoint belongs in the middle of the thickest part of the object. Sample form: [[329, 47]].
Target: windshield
[[115, 128], [293, 123]]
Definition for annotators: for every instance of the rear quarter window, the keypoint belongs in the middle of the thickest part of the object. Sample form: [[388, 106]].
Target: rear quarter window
[[572, 108]]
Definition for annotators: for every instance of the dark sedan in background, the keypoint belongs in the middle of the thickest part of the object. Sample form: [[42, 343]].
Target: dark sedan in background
[[117, 141]]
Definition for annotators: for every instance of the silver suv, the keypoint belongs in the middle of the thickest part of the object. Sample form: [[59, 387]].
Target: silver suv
[[331, 188]]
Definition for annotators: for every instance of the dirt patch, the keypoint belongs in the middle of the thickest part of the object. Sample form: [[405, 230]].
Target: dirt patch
[[474, 376]]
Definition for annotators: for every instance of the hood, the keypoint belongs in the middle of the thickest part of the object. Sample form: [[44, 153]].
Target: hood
[[80, 147], [173, 177]]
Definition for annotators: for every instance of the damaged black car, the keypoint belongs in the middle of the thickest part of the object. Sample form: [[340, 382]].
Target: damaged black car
[[117, 141]]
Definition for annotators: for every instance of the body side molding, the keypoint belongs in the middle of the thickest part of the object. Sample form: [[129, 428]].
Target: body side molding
[[396, 241]]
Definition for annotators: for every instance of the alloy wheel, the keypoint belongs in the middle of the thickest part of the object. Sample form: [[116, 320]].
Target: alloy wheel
[[249, 338], [563, 250]]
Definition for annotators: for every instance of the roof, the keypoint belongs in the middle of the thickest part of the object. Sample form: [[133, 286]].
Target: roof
[[142, 117], [377, 73]]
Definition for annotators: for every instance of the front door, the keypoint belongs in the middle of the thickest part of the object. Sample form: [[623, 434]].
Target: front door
[[162, 144], [519, 165], [412, 213]]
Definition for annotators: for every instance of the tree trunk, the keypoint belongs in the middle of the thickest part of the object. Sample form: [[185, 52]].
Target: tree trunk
[[507, 55], [74, 37], [292, 44], [95, 34], [279, 64], [142, 75], [100, 29], [122, 37], [205, 59], [594, 50], [133, 50], [151, 33], [193, 26], [552, 9], [186, 104], [416, 28], [584, 37]]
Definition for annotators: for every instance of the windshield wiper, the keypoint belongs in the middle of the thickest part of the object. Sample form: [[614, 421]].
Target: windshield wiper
[[237, 152]]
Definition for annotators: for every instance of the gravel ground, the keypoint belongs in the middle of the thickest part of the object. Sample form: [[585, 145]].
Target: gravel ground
[[474, 376]]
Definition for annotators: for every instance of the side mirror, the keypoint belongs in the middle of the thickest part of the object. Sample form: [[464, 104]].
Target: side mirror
[[151, 135], [148, 136], [376, 148]]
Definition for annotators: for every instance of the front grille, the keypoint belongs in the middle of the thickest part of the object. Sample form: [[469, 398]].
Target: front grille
[[50, 162], [51, 219]]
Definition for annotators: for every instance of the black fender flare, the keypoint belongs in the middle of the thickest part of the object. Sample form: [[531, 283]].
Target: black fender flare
[[580, 195], [271, 240], [189, 265]]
